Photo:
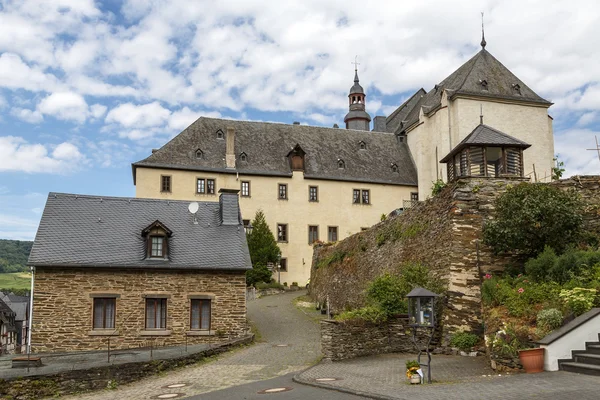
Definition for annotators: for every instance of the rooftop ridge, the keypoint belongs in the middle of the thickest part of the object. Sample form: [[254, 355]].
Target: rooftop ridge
[[127, 199]]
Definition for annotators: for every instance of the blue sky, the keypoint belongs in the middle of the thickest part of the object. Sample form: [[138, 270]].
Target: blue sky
[[88, 87]]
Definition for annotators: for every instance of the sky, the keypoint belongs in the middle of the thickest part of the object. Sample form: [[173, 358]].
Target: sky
[[88, 87]]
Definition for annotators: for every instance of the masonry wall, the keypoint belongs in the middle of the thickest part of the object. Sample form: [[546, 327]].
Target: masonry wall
[[63, 301], [588, 186]]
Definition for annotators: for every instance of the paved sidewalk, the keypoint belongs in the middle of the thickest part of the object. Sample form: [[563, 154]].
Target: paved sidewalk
[[455, 377], [279, 323]]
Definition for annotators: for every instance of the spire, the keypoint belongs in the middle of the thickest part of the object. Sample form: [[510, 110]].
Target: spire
[[356, 64], [357, 117], [483, 42]]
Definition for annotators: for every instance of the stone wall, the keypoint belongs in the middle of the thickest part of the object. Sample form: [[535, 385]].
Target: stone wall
[[63, 299], [344, 340], [588, 186]]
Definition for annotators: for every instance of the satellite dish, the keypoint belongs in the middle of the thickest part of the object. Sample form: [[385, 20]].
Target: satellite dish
[[193, 207]]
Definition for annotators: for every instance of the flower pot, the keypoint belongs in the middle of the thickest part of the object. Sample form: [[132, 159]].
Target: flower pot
[[532, 360], [415, 379]]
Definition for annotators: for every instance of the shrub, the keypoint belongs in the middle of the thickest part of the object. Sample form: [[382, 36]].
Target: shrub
[[464, 340], [270, 285], [412, 363], [579, 300], [437, 187], [388, 293], [583, 266], [531, 216], [539, 268], [549, 319], [257, 275], [370, 314]]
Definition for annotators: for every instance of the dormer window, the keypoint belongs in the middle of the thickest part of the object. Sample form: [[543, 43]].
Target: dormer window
[[199, 154], [341, 163], [362, 145], [296, 157], [243, 157], [394, 167], [157, 240], [516, 88], [220, 134], [484, 84]]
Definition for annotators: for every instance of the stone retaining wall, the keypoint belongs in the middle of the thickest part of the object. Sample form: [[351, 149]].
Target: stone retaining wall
[[344, 340], [588, 186]]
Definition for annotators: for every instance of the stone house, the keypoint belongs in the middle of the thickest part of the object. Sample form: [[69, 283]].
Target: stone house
[[137, 272], [20, 306]]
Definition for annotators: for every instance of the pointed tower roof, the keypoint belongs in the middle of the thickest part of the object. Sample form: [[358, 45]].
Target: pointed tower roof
[[356, 88]]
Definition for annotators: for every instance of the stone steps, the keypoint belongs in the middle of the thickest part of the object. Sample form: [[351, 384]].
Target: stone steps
[[583, 361]]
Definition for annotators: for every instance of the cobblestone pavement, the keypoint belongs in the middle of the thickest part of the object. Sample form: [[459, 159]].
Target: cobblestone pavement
[[455, 378], [279, 323]]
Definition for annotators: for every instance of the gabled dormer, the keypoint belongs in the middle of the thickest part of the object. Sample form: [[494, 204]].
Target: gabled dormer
[[157, 240], [296, 157]]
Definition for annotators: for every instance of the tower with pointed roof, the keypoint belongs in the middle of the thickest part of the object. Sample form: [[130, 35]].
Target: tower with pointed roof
[[357, 118]]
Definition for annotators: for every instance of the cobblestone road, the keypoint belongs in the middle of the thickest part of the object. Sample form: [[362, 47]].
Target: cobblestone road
[[279, 322]]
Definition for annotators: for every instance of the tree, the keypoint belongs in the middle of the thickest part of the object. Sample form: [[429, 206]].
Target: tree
[[263, 250], [531, 216]]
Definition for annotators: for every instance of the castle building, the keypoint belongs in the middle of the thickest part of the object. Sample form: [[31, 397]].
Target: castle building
[[324, 184]]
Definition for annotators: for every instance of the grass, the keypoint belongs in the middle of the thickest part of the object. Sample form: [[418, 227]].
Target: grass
[[15, 280]]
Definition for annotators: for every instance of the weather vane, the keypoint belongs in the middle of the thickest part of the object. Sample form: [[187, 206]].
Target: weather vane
[[597, 147], [356, 63]]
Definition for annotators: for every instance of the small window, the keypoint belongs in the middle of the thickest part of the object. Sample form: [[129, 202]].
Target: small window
[[414, 196], [246, 223], [156, 313], [157, 246], [210, 186], [220, 134], [394, 167], [332, 234], [245, 189], [484, 84], [401, 138], [282, 232], [243, 157], [165, 183], [104, 313], [341, 164], [297, 163], [283, 264], [199, 154], [313, 234], [200, 314], [366, 196], [516, 88], [313, 193], [282, 191], [356, 196], [362, 145], [200, 185]]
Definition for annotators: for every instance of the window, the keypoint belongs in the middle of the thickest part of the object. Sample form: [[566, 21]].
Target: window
[[332, 234], [361, 196], [199, 154], [200, 314], [243, 157], [200, 186], [394, 167], [341, 164], [282, 191], [283, 264], [165, 183], [210, 186], [313, 193], [414, 196], [104, 313], [401, 138], [366, 197], [157, 248], [362, 145], [313, 234], [245, 189], [484, 84], [220, 134], [156, 313], [282, 233]]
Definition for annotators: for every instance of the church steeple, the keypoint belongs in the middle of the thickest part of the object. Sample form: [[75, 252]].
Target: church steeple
[[357, 118]]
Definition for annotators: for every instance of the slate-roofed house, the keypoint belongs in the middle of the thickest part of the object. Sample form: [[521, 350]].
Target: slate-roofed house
[[20, 306], [8, 329], [137, 270]]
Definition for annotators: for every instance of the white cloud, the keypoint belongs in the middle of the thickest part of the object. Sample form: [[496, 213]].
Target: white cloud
[[97, 110], [18, 155], [587, 118], [15, 74], [67, 106], [129, 115], [24, 114], [571, 147]]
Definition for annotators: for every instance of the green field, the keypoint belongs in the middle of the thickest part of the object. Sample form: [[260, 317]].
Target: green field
[[16, 280]]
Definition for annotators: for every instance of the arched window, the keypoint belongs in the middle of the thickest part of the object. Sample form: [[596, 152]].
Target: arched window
[[341, 163]]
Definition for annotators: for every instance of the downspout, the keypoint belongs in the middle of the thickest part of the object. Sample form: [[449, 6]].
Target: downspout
[[30, 311], [449, 128]]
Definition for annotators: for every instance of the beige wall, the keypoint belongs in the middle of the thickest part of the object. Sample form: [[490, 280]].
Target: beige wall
[[334, 208], [452, 123], [62, 307]]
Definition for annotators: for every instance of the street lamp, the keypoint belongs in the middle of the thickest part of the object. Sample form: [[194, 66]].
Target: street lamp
[[421, 314], [278, 268]]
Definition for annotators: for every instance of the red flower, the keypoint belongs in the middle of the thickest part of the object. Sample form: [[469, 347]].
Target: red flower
[[521, 290]]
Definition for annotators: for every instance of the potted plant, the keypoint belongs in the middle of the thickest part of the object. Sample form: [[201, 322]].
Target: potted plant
[[413, 376], [532, 360]]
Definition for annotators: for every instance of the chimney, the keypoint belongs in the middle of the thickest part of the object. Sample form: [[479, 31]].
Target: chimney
[[296, 123], [230, 148], [379, 124], [229, 207]]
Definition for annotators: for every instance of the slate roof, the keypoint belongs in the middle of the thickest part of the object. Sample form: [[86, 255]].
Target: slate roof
[[356, 88], [19, 305], [393, 122], [268, 144], [466, 80], [7, 316], [484, 135], [93, 231]]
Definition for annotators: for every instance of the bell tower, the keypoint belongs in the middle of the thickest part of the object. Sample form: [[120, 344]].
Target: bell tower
[[357, 118]]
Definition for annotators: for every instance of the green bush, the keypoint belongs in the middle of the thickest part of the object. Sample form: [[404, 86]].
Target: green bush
[[257, 275], [583, 266], [370, 314], [270, 285], [464, 340], [388, 293], [549, 319], [531, 216], [437, 187], [579, 300], [412, 363]]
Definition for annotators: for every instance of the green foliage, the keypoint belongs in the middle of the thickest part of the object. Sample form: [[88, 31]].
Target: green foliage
[[464, 340], [398, 231], [558, 169], [263, 250], [508, 341], [15, 281], [437, 187], [383, 217], [582, 266], [380, 239], [294, 283], [370, 314], [334, 257], [412, 363], [532, 216], [271, 285], [579, 300], [14, 255], [549, 319]]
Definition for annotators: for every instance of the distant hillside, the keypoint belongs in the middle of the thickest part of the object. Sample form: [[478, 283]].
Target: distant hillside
[[14, 255]]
